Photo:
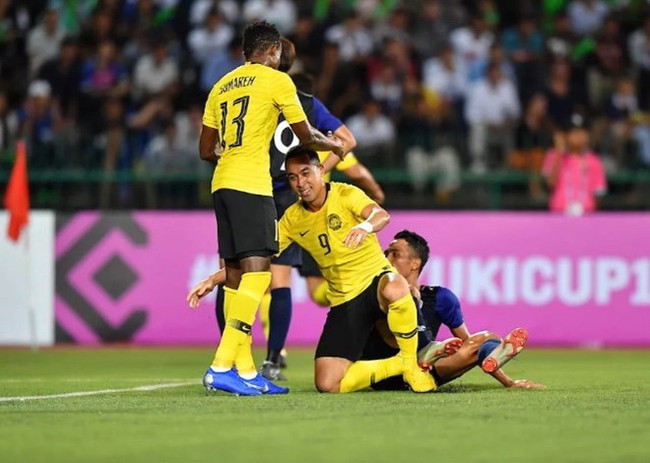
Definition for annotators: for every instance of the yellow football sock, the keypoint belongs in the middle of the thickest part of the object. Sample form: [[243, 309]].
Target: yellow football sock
[[365, 373], [244, 358], [240, 316], [320, 294], [265, 307], [402, 321]]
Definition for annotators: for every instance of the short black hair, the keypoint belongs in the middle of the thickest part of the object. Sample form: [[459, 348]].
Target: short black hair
[[304, 82], [417, 243], [302, 150], [259, 37]]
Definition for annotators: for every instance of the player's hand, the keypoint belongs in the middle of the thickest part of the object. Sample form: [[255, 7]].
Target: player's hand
[[355, 237], [338, 148], [202, 289], [526, 384]]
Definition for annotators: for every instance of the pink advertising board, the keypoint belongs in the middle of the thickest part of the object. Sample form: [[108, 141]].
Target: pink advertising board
[[124, 276]]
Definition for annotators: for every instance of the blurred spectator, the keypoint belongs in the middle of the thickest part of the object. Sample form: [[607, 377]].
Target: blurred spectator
[[101, 28], [229, 9], [308, 40], [574, 173], [496, 55], [374, 132], [63, 73], [102, 76], [211, 38], [397, 28], [561, 40], [524, 46], [220, 64], [627, 124], [387, 89], [491, 111], [352, 37], [38, 120], [155, 74], [639, 50], [8, 127], [472, 43], [44, 41], [431, 30], [282, 13], [533, 137], [608, 62], [561, 102], [587, 16]]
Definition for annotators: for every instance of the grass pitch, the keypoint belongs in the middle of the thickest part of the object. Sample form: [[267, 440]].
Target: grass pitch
[[596, 408]]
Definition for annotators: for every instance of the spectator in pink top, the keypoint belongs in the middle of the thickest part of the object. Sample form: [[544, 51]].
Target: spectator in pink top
[[574, 173]]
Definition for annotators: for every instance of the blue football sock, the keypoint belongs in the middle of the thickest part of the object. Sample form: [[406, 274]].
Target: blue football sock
[[486, 349], [279, 320], [221, 318]]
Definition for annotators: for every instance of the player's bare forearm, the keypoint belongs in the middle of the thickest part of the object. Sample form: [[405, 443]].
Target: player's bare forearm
[[346, 137], [208, 143], [330, 162], [376, 219]]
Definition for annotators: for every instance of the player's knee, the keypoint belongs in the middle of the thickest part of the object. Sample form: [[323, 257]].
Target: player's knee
[[325, 384], [395, 289], [482, 336]]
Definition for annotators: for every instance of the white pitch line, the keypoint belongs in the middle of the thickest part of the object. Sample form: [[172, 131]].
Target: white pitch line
[[150, 387]]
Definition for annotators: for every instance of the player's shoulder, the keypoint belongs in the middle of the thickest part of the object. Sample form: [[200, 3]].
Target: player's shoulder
[[344, 189], [440, 295], [292, 211]]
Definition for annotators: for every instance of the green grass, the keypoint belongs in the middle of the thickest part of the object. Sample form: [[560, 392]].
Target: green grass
[[596, 408]]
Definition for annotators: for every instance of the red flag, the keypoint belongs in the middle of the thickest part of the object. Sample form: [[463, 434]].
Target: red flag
[[17, 196]]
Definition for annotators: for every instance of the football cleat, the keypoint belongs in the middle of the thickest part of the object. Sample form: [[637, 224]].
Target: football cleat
[[272, 371], [228, 381], [504, 352], [436, 350], [419, 380], [264, 386]]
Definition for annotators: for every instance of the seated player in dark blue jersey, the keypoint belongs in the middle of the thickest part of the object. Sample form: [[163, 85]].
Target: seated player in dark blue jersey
[[408, 253]]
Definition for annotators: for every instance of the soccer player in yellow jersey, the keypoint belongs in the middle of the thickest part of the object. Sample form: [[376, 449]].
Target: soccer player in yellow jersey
[[240, 117], [335, 223]]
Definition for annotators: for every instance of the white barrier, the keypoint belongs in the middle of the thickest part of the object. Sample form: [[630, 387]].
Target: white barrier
[[21, 299]]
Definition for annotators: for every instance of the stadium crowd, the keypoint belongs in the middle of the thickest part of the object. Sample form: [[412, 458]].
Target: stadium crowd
[[429, 86]]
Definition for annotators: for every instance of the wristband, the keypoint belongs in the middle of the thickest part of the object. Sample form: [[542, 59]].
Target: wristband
[[365, 226]]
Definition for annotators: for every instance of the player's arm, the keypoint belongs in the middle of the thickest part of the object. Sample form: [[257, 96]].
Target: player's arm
[[362, 178], [205, 287], [315, 140], [208, 144], [375, 217], [460, 332], [349, 143]]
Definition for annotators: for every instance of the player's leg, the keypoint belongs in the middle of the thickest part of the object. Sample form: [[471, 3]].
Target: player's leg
[[512, 344], [395, 296], [472, 351], [341, 345], [252, 224], [279, 319]]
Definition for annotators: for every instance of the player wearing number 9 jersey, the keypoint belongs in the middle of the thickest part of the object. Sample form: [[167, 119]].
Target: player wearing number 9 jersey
[[240, 117], [336, 222]]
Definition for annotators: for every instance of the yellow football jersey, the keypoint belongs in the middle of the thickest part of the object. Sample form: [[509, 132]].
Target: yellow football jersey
[[348, 271], [244, 106], [348, 161]]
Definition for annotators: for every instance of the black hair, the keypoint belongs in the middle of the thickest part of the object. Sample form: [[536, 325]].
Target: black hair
[[417, 243], [259, 37], [302, 150], [304, 82]]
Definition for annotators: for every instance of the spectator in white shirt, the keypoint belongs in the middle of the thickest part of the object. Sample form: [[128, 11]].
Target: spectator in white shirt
[[44, 41], [491, 109], [229, 9], [375, 133], [155, 73], [445, 76], [587, 16], [472, 44], [352, 37], [282, 13], [210, 39]]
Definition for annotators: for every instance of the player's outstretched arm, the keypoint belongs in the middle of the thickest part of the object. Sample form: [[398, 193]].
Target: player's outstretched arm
[[205, 287], [315, 140], [376, 219]]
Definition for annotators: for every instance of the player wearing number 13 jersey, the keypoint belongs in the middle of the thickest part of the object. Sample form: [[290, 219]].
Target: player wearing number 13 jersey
[[335, 223], [240, 117]]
